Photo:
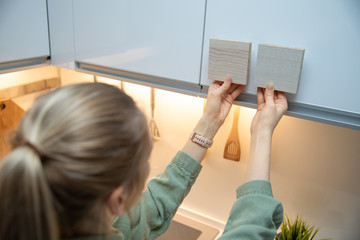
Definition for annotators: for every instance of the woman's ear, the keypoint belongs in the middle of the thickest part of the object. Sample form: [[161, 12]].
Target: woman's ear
[[116, 201]]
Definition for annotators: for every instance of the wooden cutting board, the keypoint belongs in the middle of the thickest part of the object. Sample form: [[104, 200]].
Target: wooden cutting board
[[10, 116]]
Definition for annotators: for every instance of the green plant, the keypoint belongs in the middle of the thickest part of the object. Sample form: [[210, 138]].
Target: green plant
[[298, 230]]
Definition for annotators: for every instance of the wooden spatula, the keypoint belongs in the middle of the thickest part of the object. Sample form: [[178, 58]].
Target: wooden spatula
[[122, 86], [232, 147]]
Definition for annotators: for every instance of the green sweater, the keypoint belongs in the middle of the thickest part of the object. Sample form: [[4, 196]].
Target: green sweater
[[255, 214]]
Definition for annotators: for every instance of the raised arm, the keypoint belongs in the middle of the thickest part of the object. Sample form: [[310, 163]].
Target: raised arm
[[256, 214], [271, 106], [220, 98]]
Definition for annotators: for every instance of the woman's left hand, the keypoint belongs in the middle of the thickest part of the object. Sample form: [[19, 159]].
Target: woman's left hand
[[220, 98]]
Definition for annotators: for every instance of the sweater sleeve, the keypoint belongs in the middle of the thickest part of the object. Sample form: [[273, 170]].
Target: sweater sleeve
[[152, 215], [255, 214]]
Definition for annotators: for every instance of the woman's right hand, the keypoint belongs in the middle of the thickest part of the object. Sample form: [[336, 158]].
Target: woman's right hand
[[271, 106]]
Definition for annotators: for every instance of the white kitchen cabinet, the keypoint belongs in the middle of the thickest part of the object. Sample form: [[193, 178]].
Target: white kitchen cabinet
[[327, 29], [159, 41], [61, 31], [24, 37]]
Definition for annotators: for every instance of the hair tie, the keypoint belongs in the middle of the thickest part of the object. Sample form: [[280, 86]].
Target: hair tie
[[34, 148]]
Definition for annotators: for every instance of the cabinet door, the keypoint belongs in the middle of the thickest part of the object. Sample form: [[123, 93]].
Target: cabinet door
[[158, 38], [327, 29], [23, 30], [61, 29]]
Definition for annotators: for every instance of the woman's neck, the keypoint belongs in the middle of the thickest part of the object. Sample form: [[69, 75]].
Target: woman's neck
[[95, 223]]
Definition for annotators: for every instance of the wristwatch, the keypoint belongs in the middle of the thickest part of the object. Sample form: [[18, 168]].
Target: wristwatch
[[200, 140]]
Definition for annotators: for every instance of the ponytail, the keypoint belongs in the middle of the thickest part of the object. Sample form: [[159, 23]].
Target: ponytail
[[26, 209], [85, 141]]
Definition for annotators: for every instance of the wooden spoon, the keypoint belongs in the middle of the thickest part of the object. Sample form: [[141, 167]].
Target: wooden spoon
[[232, 147]]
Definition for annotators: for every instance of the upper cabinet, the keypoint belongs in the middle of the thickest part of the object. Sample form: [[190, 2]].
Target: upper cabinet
[[24, 39], [160, 40], [61, 31], [328, 30], [166, 43]]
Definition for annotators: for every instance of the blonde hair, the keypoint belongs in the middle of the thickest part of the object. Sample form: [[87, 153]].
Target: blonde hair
[[72, 149]]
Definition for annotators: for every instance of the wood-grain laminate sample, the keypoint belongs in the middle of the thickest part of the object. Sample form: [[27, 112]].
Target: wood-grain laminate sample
[[279, 65], [227, 57]]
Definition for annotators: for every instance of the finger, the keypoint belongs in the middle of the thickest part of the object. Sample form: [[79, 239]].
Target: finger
[[269, 93], [233, 87], [237, 91], [260, 96], [281, 95], [228, 99], [216, 84], [226, 85], [275, 95], [282, 99]]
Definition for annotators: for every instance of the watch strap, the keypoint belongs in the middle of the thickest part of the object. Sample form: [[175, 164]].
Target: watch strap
[[200, 140]]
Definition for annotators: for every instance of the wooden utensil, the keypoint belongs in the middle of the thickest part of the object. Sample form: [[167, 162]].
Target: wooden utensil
[[122, 87], [10, 116], [153, 127], [232, 147]]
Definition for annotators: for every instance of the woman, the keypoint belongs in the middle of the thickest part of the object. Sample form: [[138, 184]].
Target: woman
[[80, 156]]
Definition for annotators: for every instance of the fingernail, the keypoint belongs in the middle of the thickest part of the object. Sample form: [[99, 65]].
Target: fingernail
[[270, 86]]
